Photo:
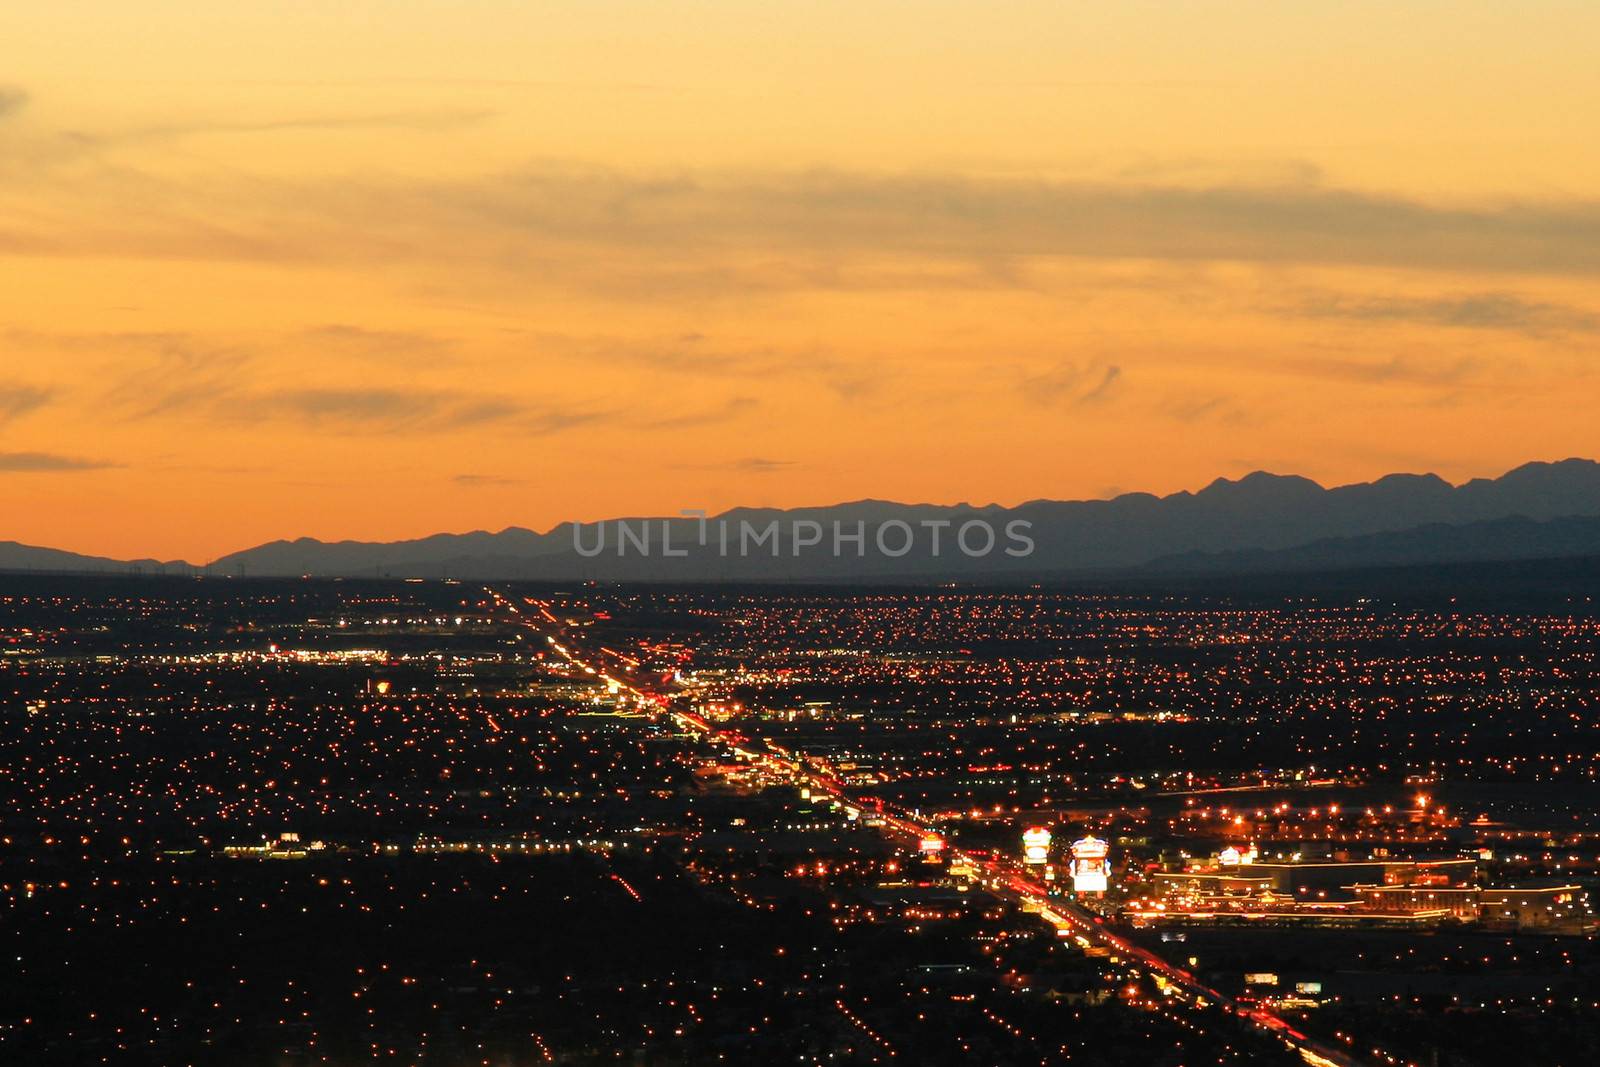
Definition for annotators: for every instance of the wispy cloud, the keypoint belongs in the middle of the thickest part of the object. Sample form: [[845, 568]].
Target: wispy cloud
[[375, 345], [477, 481], [158, 373], [1472, 311], [382, 407], [47, 462], [414, 121], [539, 422], [1396, 369], [761, 465], [1071, 383], [746, 465], [728, 230], [1102, 388], [12, 100], [696, 355], [17, 400], [730, 409], [947, 215], [1224, 410], [358, 409], [167, 375]]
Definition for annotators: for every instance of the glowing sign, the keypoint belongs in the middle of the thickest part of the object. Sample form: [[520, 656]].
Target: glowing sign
[[1035, 845], [1090, 848], [1090, 882], [1232, 857], [931, 845], [1090, 872]]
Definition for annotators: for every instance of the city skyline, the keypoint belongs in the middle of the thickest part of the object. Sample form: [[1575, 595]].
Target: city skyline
[[300, 821], [378, 271]]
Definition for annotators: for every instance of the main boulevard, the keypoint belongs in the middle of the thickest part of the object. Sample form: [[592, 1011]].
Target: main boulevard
[[1003, 876]]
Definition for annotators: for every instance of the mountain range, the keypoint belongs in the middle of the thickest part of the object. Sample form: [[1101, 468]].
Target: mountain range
[[1256, 524]]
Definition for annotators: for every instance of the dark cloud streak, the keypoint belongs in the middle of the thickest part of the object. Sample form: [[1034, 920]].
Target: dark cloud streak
[[728, 231], [1474, 311], [19, 400], [48, 462], [1072, 384]]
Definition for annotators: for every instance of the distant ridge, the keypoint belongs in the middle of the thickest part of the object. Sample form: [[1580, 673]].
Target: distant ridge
[[15, 556], [1261, 521], [1495, 541]]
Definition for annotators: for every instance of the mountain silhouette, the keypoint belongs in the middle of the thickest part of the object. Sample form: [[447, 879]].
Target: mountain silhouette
[[1260, 521]]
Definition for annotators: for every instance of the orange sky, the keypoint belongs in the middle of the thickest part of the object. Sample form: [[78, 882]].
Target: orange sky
[[377, 269]]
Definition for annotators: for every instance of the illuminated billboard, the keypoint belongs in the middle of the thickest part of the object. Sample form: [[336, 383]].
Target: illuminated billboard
[[1090, 871], [1036, 845]]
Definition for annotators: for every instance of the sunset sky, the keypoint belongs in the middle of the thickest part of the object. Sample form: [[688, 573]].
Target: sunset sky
[[381, 268]]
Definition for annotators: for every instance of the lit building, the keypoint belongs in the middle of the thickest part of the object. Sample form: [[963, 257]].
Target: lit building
[[1555, 909]]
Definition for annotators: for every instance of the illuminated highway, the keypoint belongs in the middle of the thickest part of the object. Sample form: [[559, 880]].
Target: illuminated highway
[[1002, 876]]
